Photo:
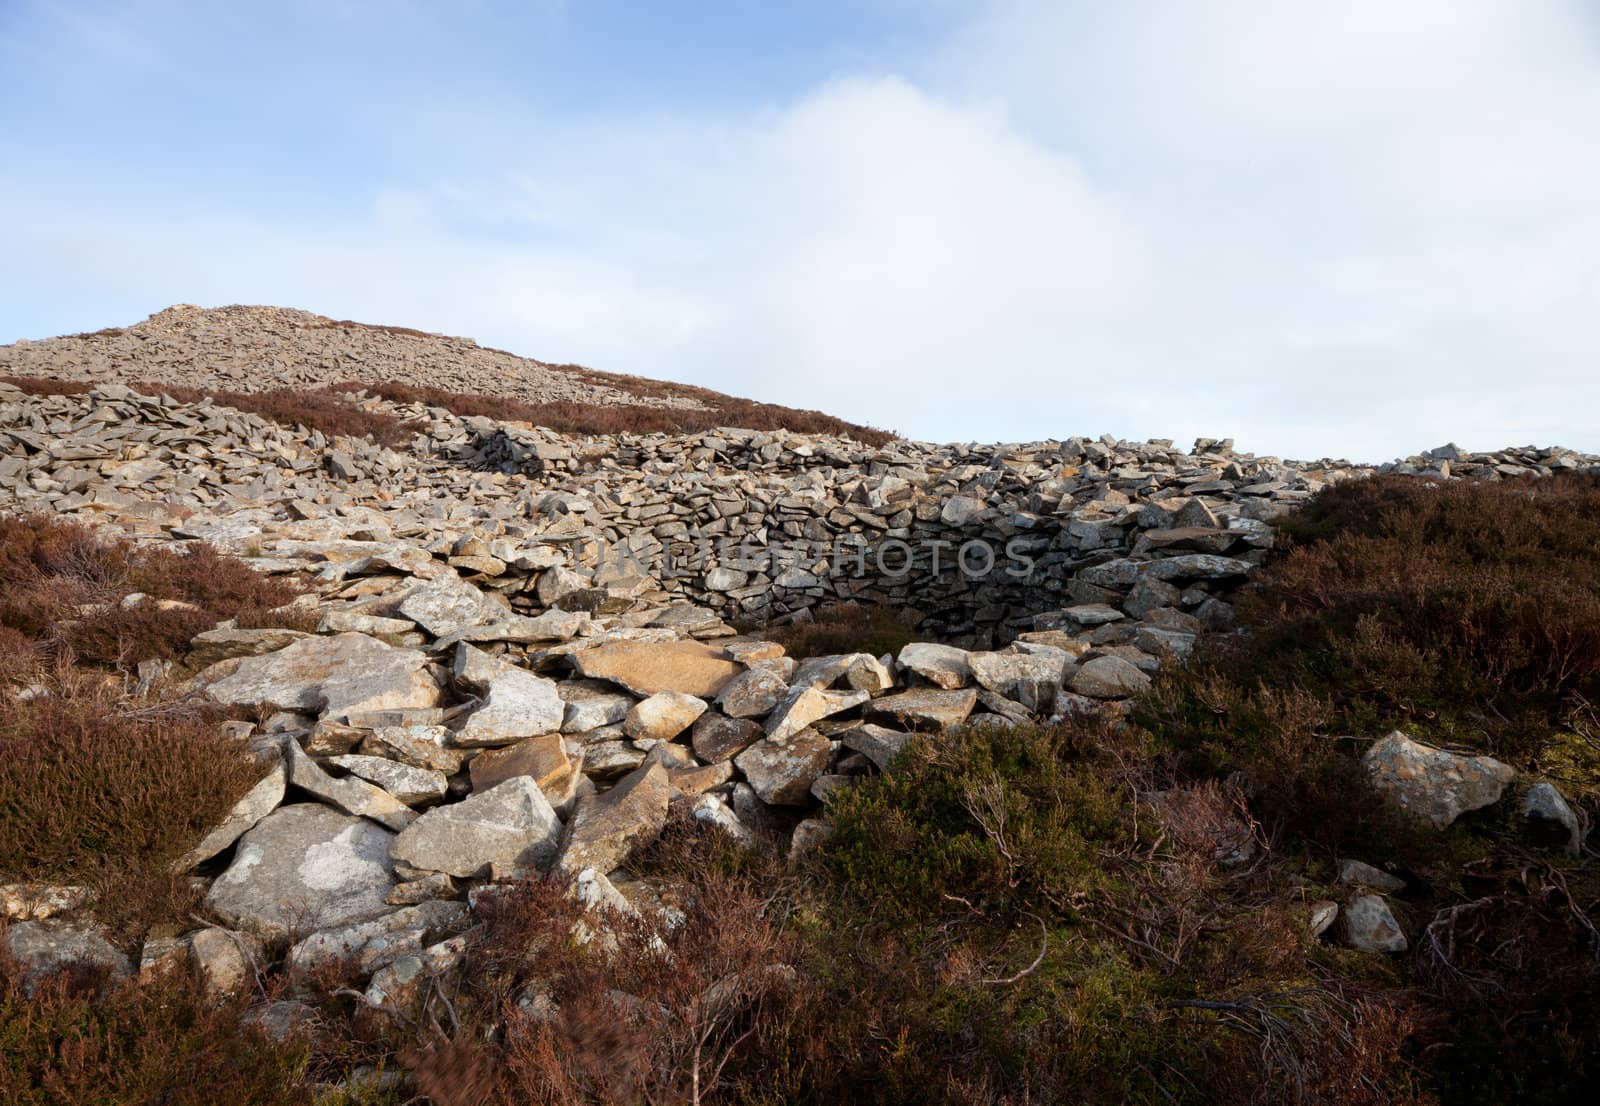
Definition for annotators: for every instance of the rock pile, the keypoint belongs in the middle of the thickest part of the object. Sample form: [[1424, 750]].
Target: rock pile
[[984, 542], [252, 349], [453, 743]]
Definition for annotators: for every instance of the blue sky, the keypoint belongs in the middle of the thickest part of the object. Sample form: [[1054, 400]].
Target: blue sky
[[1356, 229]]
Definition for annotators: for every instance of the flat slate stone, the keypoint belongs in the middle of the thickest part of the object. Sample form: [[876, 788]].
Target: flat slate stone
[[335, 675], [516, 703], [510, 826], [609, 827], [926, 708], [302, 868], [645, 668], [257, 803], [447, 605], [782, 772]]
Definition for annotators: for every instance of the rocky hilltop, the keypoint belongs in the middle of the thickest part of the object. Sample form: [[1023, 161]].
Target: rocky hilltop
[[519, 650], [251, 349]]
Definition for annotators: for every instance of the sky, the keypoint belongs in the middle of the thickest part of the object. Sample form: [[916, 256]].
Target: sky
[[1354, 229]]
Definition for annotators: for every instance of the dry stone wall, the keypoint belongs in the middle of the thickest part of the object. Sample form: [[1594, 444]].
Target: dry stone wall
[[985, 542]]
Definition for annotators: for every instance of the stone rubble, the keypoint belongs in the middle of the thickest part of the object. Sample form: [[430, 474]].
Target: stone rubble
[[526, 651]]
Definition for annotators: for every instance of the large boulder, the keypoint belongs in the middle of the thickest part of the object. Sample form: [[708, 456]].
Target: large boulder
[[515, 703], [782, 771], [302, 868], [41, 949], [645, 668], [941, 665], [507, 829], [805, 705], [335, 675], [1433, 785], [609, 827]]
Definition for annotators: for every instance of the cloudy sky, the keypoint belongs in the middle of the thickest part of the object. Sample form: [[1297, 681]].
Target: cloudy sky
[[1357, 228]]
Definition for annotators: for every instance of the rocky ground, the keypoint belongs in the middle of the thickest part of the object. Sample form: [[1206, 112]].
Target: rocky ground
[[251, 349], [490, 692]]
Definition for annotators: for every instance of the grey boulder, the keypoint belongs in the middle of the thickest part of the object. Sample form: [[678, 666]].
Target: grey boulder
[[509, 828], [302, 868], [335, 675], [1433, 785]]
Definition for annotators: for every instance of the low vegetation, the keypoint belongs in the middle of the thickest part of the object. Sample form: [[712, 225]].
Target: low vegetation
[[96, 788], [47, 386], [1068, 913], [138, 1045], [1468, 615], [321, 409], [574, 417], [845, 628], [325, 410], [71, 593]]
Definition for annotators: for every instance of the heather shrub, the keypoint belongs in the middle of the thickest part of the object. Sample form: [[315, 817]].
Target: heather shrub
[[94, 790], [846, 628], [321, 409], [44, 386], [1468, 609], [611, 1008], [576, 417], [157, 1044], [67, 584], [1045, 914], [1465, 613]]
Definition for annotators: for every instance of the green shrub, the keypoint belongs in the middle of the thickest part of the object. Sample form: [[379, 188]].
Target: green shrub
[[1028, 914]]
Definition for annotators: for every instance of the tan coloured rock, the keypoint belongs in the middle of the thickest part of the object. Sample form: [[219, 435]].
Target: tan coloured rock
[[645, 668], [925, 709], [609, 827], [663, 716], [782, 772]]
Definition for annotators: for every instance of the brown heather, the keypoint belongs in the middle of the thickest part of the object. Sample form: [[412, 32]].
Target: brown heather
[[324, 410], [1467, 614], [845, 628], [161, 1043], [575, 417], [65, 587]]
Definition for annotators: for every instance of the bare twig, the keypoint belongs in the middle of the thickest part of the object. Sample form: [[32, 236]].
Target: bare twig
[[1044, 946]]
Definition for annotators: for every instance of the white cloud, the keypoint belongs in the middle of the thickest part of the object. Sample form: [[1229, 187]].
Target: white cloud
[[1351, 229]]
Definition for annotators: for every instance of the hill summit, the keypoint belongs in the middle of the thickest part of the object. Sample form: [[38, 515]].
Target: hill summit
[[246, 349]]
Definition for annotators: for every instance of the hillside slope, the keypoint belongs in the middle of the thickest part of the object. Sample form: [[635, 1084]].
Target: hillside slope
[[254, 348]]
